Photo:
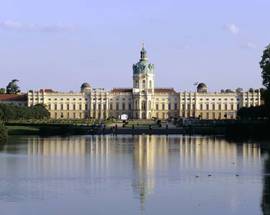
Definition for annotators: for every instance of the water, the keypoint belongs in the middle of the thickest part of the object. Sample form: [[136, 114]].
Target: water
[[132, 175]]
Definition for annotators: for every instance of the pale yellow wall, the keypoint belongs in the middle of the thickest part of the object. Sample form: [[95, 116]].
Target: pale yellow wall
[[61, 105], [101, 104], [216, 105]]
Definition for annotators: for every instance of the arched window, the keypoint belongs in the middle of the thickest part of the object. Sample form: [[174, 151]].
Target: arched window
[[137, 84], [143, 84], [150, 84], [143, 105]]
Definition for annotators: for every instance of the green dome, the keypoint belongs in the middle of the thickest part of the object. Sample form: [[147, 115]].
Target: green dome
[[143, 66]]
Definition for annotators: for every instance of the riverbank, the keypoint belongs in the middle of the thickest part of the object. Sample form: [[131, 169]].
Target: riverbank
[[232, 129], [3, 133]]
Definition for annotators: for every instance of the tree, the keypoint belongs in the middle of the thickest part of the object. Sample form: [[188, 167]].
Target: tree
[[265, 66], [258, 112], [2, 90], [11, 112], [12, 87]]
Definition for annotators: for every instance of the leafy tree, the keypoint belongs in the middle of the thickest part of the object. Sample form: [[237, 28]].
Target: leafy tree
[[12, 87], [2, 90], [258, 112], [265, 66], [11, 112]]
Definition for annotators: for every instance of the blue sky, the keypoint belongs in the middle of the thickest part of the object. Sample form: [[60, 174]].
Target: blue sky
[[60, 44]]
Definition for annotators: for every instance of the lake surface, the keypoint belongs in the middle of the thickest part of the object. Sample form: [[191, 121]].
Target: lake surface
[[133, 175]]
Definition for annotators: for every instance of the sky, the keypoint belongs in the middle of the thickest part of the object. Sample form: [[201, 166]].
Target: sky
[[59, 44]]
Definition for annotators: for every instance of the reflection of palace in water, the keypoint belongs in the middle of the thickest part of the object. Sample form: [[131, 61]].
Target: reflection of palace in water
[[149, 155]]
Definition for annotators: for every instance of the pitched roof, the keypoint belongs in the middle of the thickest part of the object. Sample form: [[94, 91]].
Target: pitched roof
[[13, 97], [164, 90], [121, 90]]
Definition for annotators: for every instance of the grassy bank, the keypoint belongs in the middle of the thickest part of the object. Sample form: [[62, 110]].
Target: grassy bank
[[22, 130], [234, 129], [3, 133]]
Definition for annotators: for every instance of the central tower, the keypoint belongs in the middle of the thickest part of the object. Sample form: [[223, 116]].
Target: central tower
[[143, 74], [143, 87]]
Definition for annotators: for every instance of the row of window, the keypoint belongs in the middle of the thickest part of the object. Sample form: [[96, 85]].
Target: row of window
[[220, 99], [57, 99], [210, 107], [67, 107], [68, 115], [208, 99], [143, 84]]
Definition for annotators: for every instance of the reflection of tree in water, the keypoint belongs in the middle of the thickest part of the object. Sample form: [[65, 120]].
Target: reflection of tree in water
[[266, 187]]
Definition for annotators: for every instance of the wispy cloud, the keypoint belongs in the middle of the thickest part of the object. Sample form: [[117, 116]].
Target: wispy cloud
[[232, 28], [249, 45], [18, 26]]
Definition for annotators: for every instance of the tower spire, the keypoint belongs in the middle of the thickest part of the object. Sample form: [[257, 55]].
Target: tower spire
[[143, 53]]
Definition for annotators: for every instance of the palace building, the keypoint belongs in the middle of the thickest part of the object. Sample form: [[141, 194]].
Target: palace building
[[143, 100]]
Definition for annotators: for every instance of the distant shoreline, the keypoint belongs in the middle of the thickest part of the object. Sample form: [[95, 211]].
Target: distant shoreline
[[259, 129]]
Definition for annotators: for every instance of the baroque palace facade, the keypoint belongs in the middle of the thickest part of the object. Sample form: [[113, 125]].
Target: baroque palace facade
[[143, 100]]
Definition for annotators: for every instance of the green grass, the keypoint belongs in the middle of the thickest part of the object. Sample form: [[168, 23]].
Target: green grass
[[19, 130]]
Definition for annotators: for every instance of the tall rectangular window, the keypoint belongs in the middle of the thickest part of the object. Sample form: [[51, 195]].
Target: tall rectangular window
[[183, 107], [201, 106], [143, 105]]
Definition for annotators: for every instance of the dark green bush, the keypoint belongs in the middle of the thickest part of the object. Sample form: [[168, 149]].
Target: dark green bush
[[11, 112]]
